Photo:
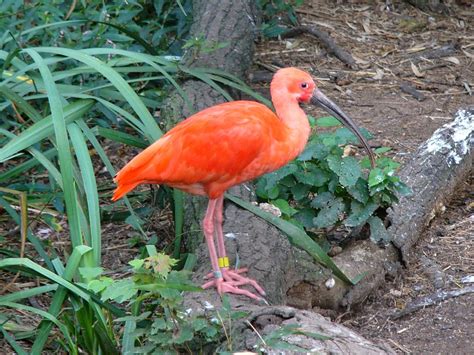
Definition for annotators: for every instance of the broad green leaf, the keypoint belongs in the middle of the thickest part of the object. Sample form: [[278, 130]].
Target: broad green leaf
[[360, 213], [300, 191], [312, 176], [119, 291], [323, 200], [382, 150], [376, 176], [90, 272], [284, 207], [359, 191], [273, 177], [330, 215], [347, 169]]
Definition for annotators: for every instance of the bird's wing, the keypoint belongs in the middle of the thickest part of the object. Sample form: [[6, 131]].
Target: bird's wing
[[216, 145]]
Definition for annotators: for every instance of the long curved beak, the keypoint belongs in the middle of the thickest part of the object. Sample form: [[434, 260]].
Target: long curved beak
[[319, 99]]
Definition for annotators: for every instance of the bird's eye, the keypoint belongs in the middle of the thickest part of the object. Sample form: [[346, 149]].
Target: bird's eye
[[304, 85]]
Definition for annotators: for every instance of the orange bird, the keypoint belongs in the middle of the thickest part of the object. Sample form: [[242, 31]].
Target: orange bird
[[226, 145]]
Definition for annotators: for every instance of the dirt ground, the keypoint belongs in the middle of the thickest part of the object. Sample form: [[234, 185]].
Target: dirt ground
[[390, 48]]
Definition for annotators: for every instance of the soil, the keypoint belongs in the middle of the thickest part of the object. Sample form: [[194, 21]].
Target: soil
[[385, 44]]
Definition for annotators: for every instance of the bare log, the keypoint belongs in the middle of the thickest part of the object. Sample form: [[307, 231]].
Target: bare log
[[436, 168]]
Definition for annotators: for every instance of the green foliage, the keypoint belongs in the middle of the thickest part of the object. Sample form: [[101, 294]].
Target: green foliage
[[111, 24], [327, 188], [160, 323], [278, 16]]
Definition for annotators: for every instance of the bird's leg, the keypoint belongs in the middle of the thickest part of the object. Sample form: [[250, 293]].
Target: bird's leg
[[232, 278]]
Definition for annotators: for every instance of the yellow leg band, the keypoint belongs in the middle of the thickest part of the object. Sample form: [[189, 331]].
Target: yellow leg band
[[223, 262]]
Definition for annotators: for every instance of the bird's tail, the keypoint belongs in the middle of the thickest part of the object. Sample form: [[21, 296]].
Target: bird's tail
[[123, 189]]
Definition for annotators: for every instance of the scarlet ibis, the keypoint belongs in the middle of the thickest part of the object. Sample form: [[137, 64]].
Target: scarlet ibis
[[226, 145]]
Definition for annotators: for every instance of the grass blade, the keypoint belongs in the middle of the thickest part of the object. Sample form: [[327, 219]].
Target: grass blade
[[64, 150], [43, 129], [297, 237], [16, 296], [90, 187], [58, 298]]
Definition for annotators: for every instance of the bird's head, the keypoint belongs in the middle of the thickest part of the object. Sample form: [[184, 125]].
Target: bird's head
[[300, 86]]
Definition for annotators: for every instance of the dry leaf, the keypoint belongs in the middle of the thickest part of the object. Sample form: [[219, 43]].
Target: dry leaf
[[469, 55], [379, 74], [366, 25], [453, 60], [415, 49], [416, 71]]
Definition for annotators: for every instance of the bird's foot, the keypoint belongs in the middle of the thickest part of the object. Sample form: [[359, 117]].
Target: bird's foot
[[229, 281]]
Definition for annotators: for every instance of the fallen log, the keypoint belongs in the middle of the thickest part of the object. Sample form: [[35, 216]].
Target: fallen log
[[436, 168]]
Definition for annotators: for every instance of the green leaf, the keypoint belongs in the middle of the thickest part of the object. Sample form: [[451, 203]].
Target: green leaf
[[360, 213], [376, 177], [136, 263], [305, 217], [312, 176], [309, 151], [344, 136], [300, 191], [284, 207], [359, 191], [330, 215], [119, 291], [378, 232], [273, 177], [44, 128], [323, 200], [347, 169], [90, 272], [328, 121], [98, 286]]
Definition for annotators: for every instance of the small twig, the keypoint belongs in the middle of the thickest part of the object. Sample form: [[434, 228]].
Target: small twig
[[328, 42], [432, 300], [409, 89], [256, 332]]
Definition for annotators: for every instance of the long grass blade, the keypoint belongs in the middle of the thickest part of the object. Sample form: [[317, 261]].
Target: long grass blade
[[116, 79], [35, 291], [44, 128], [13, 343], [64, 150], [90, 187], [58, 298], [297, 237]]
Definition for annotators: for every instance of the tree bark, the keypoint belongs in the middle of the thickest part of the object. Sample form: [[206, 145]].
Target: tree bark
[[437, 167]]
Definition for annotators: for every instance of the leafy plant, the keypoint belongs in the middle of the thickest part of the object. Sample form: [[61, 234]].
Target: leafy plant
[[327, 187], [154, 295], [278, 15], [60, 103]]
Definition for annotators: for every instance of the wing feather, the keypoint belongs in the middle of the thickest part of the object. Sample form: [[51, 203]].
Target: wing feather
[[210, 151]]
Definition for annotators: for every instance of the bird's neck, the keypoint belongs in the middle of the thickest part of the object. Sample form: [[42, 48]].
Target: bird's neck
[[294, 118]]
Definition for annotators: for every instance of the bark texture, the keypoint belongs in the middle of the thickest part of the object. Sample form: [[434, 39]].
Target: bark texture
[[437, 167]]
